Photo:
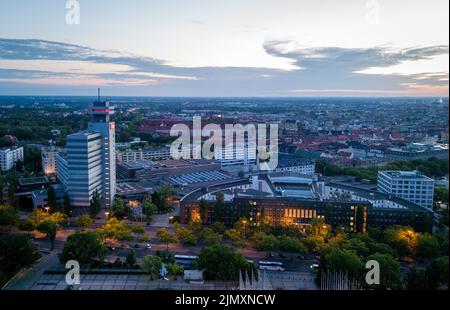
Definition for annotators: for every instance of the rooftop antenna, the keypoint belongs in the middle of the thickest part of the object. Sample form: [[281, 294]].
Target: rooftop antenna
[[98, 94]]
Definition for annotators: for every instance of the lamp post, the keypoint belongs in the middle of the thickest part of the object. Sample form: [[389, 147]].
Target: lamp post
[[107, 215]]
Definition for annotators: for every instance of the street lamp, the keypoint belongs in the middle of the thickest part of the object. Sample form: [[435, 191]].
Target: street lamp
[[107, 215], [47, 209], [244, 222]]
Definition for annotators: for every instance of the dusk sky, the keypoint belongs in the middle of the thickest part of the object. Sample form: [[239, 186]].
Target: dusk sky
[[226, 48]]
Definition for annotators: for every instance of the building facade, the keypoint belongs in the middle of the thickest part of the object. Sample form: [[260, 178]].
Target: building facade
[[48, 160], [9, 156], [89, 161], [409, 185]]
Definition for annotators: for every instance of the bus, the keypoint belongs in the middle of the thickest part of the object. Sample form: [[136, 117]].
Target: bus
[[275, 266], [185, 260]]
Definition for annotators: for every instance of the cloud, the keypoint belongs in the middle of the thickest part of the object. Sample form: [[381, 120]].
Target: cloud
[[38, 65]]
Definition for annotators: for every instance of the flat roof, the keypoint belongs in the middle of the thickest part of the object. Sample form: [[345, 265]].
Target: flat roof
[[375, 195], [33, 180], [405, 174]]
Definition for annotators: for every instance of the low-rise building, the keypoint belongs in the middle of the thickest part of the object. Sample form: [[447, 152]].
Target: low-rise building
[[409, 185]]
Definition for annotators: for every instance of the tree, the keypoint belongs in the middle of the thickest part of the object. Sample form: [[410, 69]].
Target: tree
[[16, 252], [83, 221], [26, 225], [51, 196], [222, 262], [148, 208], [358, 246], [345, 261], [233, 235], [185, 235], [427, 247], [118, 208], [138, 229], [151, 265], [83, 247], [8, 216], [264, 241], [210, 236], [165, 236], [95, 204], [115, 229], [175, 270], [67, 205], [162, 199], [291, 245], [402, 239], [167, 257], [220, 208], [203, 207], [50, 228], [131, 258], [218, 227], [437, 272], [390, 277]]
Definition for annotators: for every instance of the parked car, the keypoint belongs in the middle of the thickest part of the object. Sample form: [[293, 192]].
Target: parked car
[[149, 246]]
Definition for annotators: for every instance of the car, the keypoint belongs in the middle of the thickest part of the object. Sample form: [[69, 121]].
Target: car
[[314, 268], [149, 246], [136, 246], [300, 257], [282, 255]]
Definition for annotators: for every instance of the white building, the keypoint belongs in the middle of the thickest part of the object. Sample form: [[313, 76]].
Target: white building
[[9, 156], [150, 154], [89, 162], [409, 185], [48, 159]]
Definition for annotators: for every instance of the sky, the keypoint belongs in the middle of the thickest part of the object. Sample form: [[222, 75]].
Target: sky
[[225, 48]]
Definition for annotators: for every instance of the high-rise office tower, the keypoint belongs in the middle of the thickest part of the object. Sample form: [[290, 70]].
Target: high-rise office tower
[[102, 124], [89, 161]]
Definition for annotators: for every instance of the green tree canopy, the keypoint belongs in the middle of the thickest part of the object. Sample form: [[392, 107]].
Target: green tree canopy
[[16, 252], [346, 261], [8, 215], [222, 262], [151, 265], [115, 229], [390, 276], [83, 247], [165, 236]]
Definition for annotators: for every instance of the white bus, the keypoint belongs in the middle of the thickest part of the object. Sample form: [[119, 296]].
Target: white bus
[[275, 266], [185, 260]]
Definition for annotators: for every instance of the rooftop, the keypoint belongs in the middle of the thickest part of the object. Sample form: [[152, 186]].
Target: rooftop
[[375, 195], [405, 174], [32, 181]]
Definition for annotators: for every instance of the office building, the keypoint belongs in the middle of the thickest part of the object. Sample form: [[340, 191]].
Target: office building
[[89, 161], [48, 160], [9, 156], [409, 185]]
